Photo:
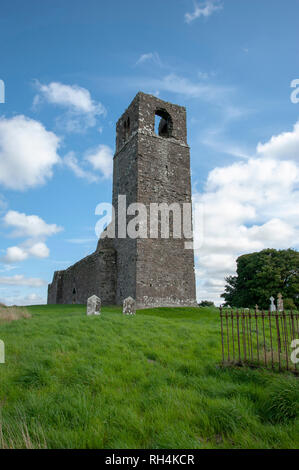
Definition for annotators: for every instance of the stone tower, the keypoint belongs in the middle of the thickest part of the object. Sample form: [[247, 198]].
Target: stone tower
[[150, 166]]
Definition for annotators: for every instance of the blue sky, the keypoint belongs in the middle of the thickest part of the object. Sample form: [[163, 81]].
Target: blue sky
[[70, 69]]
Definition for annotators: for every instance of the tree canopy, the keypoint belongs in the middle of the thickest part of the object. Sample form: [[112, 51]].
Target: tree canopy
[[262, 275]]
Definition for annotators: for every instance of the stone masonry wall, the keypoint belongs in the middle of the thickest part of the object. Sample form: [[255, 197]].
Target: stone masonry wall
[[165, 269], [150, 168], [93, 275], [125, 183]]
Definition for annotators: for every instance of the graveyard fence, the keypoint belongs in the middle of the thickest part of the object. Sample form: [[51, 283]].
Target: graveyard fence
[[259, 338]]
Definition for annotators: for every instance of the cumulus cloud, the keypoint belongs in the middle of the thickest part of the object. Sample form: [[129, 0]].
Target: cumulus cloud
[[81, 110], [21, 280], [72, 162], [204, 9], [247, 206], [15, 254], [282, 146], [99, 159], [34, 229], [29, 225], [28, 153]]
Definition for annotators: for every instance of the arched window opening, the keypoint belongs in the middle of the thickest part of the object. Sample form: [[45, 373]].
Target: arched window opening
[[163, 123]]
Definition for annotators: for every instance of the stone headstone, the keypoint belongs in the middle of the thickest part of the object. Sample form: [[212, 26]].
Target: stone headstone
[[280, 303], [272, 305], [94, 305], [129, 306]]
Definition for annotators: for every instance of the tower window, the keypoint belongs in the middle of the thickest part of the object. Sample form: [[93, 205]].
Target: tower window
[[163, 123], [126, 129], [128, 125]]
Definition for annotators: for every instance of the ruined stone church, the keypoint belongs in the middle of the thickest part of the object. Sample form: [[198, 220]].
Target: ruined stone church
[[149, 167]]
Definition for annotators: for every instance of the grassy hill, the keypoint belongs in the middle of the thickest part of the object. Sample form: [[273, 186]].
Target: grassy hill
[[150, 381]]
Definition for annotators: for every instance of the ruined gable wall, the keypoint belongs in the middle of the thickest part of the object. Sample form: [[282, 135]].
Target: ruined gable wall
[[93, 275]]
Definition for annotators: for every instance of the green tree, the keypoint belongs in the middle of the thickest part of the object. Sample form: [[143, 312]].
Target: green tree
[[261, 275], [206, 303]]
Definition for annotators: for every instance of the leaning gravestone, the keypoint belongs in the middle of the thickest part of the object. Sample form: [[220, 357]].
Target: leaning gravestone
[[280, 303], [94, 305], [129, 306]]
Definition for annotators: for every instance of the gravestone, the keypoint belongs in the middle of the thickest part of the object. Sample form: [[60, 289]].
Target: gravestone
[[280, 303], [272, 306], [94, 305], [129, 306]]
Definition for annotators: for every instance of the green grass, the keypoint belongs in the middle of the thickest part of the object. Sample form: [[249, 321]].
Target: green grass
[[149, 381]]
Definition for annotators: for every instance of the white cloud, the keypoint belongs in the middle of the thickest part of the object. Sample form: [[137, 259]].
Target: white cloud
[[30, 299], [152, 57], [101, 159], [21, 280], [82, 110], [205, 9], [70, 96], [28, 153], [73, 164], [179, 85], [14, 254], [34, 229], [248, 206], [38, 250], [29, 225], [7, 267], [282, 146]]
